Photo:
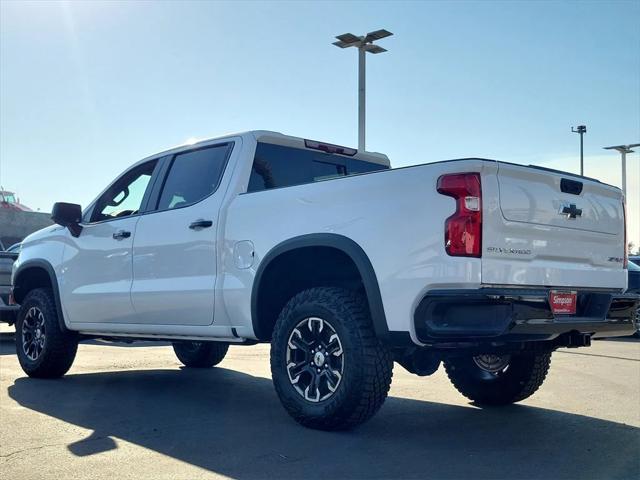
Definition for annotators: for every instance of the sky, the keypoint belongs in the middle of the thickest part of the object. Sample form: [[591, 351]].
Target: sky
[[88, 88]]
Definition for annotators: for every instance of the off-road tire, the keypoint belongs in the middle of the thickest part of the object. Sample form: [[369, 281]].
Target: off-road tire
[[524, 375], [368, 365], [60, 346], [200, 354]]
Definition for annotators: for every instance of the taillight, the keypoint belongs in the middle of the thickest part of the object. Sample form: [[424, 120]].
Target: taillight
[[463, 229]]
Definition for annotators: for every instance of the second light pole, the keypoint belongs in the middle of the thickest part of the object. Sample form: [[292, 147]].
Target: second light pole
[[364, 44], [623, 150], [582, 129]]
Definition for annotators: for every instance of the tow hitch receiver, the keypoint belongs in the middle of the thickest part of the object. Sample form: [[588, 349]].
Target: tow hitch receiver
[[574, 340]]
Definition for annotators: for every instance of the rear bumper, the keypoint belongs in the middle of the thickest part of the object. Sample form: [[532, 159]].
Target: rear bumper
[[516, 315], [8, 313]]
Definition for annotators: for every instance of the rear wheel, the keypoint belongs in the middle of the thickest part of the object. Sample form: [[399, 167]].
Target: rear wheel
[[328, 367], [491, 379], [44, 350], [200, 354]]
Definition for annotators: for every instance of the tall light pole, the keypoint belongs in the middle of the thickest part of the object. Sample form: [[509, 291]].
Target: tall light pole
[[364, 44], [624, 149], [582, 129]]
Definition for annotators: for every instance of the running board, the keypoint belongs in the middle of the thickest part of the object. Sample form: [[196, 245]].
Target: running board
[[150, 336]]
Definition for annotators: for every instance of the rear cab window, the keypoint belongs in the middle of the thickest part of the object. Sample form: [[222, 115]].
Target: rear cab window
[[277, 166]]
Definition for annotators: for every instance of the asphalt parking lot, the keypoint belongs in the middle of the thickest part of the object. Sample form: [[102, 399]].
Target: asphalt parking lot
[[133, 412]]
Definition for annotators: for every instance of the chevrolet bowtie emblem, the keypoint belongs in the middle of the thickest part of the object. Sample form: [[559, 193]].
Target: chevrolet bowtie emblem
[[570, 211]]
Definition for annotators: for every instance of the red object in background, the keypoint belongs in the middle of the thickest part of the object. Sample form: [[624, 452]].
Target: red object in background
[[9, 200]]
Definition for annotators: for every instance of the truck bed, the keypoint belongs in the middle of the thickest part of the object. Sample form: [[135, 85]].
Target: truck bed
[[398, 217]]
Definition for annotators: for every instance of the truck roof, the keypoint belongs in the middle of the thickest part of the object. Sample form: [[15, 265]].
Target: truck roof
[[297, 142], [277, 138]]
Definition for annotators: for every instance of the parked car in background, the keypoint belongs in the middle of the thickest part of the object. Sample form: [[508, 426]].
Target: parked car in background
[[634, 286], [15, 248], [7, 258]]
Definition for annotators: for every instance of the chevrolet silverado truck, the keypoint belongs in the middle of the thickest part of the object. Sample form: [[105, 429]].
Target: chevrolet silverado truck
[[341, 263]]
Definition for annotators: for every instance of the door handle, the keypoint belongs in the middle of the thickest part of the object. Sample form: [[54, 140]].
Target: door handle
[[198, 224], [121, 235]]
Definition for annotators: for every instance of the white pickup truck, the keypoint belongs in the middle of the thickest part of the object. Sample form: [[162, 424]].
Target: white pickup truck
[[341, 263]]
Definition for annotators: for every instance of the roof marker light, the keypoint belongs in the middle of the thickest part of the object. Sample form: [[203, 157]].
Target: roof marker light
[[329, 148]]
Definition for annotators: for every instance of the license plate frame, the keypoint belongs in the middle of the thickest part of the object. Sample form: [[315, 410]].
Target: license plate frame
[[563, 302]]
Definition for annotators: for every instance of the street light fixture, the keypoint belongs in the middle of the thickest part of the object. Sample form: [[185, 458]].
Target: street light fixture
[[364, 44], [582, 129], [624, 149]]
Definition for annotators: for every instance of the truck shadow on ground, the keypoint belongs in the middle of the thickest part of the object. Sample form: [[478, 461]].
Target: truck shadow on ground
[[8, 345], [232, 424]]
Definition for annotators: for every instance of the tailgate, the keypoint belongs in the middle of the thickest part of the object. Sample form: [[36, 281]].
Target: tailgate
[[549, 228]]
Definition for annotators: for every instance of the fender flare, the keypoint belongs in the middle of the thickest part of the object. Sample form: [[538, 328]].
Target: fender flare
[[53, 279], [345, 245]]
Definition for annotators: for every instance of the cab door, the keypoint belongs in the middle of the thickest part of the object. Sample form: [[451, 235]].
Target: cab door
[[175, 246], [97, 265]]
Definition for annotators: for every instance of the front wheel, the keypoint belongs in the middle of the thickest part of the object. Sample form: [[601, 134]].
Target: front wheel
[[44, 350], [200, 354], [329, 369], [491, 379]]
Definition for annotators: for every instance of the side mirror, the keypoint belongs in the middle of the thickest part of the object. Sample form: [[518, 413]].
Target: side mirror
[[68, 215]]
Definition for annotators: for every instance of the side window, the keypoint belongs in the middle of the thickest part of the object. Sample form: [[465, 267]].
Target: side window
[[125, 196], [275, 166], [278, 166], [193, 176]]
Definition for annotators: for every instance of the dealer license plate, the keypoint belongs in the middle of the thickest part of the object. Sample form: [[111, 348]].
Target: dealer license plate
[[562, 302]]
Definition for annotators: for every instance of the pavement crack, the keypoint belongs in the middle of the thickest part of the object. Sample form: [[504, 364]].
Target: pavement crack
[[601, 356], [10, 455], [29, 449]]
